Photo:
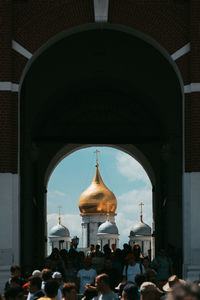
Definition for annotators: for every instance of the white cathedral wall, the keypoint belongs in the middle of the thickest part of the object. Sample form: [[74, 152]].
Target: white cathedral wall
[[109, 239], [9, 224], [94, 221], [191, 226]]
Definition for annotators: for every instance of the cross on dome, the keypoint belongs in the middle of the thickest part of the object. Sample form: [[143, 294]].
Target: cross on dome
[[59, 218], [141, 219], [97, 151]]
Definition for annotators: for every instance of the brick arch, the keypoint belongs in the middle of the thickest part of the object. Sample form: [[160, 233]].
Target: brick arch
[[52, 91], [115, 27]]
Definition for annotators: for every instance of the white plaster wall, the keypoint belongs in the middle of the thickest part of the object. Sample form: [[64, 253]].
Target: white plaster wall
[[55, 241], [9, 224], [191, 225], [93, 220], [103, 239]]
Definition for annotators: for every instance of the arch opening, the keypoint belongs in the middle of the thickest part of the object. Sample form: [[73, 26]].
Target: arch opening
[[120, 172]]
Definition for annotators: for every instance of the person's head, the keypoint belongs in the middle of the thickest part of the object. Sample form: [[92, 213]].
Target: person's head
[[113, 247], [97, 248], [87, 263], [149, 291], [136, 249], [130, 292], [130, 259], [69, 264], [36, 273], [35, 284], [46, 274], [92, 247], [102, 282], [57, 276], [162, 252], [15, 271], [172, 282], [81, 256], [151, 275], [90, 294], [139, 279], [146, 262], [14, 293], [51, 288], [108, 263], [69, 291]]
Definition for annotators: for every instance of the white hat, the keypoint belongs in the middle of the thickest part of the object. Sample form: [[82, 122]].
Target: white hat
[[36, 273], [57, 275]]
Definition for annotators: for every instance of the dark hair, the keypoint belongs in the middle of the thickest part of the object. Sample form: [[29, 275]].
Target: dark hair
[[14, 268], [13, 292], [90, 294], [131, 291], [139, 279], [104, 277], [51, 288], [67, 287], [46, 274], [36, 281]]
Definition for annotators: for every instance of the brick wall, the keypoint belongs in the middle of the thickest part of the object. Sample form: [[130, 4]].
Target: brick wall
[[32, 23]]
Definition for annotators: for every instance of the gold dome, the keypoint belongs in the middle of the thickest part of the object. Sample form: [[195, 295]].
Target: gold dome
[[97, 198]]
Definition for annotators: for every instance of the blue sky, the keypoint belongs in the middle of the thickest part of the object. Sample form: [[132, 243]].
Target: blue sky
[[120, 172]]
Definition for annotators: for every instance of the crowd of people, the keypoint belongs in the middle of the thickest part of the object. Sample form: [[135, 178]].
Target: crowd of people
[[110, 274]]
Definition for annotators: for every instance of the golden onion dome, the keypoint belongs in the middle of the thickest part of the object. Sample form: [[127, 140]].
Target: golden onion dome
[[97, 198]]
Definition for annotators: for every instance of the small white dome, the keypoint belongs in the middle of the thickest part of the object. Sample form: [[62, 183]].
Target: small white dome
[[59, 230], [108, 228], [140, 229]]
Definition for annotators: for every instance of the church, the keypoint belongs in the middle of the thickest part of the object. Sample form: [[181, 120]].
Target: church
[[99, 72]]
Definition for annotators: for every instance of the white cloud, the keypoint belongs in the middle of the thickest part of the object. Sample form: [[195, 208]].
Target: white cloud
[[56, 193], [128, 211], [130, 168]]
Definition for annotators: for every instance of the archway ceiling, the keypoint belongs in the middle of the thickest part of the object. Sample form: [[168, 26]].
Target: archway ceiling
[[101, 83]]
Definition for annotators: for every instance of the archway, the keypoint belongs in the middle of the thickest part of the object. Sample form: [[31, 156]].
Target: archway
[[101, 84], [120, 172]]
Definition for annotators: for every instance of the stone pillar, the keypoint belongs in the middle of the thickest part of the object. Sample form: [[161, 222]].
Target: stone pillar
[[191, 225], [9, 224]]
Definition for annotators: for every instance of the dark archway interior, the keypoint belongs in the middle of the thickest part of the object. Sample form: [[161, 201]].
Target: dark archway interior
[[100, 86]]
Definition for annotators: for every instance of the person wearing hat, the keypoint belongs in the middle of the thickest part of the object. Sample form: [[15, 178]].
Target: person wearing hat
[[57, 276], [172, 282], [37, 273], [86, 275], [35, 291], [149, 291], [132, 268]]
